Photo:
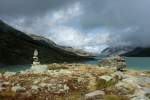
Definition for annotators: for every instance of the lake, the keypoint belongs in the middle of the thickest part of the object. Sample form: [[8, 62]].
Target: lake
[[135, 63]]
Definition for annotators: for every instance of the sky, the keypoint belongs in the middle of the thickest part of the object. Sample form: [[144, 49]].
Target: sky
[[91, 25]]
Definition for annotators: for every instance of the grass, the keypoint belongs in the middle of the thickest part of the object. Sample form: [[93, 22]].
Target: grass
[[52, 67], [7, 94], [115, 97], [148, 95], [102, 84]]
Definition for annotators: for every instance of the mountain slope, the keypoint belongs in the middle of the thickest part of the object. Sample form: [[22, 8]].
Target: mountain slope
[[127, 51], [138, 52], [113, 51], [17, 47]]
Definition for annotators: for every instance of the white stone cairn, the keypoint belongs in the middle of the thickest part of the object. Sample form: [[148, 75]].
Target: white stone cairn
[[35, 58], [36, 66]]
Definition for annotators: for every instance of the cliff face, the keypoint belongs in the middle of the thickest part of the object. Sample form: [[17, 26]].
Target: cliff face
[[17, 47]]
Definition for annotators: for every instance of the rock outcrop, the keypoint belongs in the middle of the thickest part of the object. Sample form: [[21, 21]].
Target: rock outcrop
[[17, 47], [115, 62]]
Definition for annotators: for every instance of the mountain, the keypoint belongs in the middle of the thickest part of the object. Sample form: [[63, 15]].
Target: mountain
[[138, 52], [113, 51], [127, 51], [16, 47]]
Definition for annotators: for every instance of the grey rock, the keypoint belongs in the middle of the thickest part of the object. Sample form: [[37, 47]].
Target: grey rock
[[106, 78], [115, 62], [95, 94], [18, 88], [8, 74]]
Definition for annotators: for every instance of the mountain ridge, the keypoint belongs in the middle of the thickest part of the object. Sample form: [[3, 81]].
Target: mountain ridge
[[17, 44]]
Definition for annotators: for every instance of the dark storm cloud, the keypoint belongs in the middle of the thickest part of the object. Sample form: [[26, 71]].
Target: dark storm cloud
[[120, 14], [30, 7], [111, 22], [116, 12]]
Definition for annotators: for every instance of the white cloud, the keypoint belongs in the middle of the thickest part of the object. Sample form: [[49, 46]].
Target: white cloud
[[53, 25]]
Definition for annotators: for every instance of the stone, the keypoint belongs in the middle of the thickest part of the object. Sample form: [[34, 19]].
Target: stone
[[8, 74], [35, 58], [116, 62], [34, 88], [139, 95], [146, 90], [106, 78], [18, 88], [5, 84], [39, 68], [80, 79], [66, 88], [137, 80], [2, 89], [95, 94], [36, 81], [120, 75], [139, 98], [42, 85]]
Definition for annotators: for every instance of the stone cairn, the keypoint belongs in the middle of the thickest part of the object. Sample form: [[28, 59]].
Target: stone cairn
[[35, 58], [36, 66]]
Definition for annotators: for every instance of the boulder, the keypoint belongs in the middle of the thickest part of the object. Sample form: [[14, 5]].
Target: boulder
[[66, 88], [106, 78], [115, 62], [8, 74], [18, 88], [34, 88], [94, 95], [139, 95], [39, 68], [119, 75]]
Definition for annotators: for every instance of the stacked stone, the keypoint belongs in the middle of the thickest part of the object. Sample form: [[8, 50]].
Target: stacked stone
[[35, 58]]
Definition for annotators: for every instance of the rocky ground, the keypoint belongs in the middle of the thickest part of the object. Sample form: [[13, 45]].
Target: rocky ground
[[75, 82]]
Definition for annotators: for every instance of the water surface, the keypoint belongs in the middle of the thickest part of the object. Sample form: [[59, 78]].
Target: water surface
[[135, 63]]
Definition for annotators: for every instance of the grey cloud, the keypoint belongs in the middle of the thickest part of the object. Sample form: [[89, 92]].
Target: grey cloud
[[127, 21], [30, 7], [116, 12], [119, 14]]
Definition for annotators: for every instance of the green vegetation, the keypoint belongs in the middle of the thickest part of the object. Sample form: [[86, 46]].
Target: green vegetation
[[101, 84], [54, 67]]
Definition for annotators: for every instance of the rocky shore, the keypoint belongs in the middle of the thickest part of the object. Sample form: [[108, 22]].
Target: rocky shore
[[75, 82]]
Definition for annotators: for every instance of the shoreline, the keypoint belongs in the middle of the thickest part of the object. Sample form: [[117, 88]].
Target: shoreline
[[73, 81], [25, 67]]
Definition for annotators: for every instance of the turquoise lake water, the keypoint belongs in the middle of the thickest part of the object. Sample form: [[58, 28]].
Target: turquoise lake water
[[135, 63]]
